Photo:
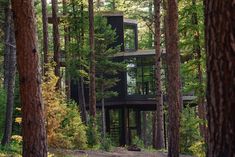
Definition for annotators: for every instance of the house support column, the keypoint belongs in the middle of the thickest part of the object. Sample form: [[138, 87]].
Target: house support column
[[126, 125], [138, 123]]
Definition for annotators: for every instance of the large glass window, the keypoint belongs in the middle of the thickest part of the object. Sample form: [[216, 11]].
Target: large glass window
[[140, 76]]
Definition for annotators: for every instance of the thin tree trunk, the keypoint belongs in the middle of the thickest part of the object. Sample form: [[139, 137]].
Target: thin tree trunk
[[220, 49], [150, 40], [66, 41], [126, 125], [159, 135], [92, 91], [33, 122], [197, 51], [166, 36], [103, 112], [82, 79], [173, 63], [45, 32], [56, 40], [82, 100], [11, 84], [7, 47]]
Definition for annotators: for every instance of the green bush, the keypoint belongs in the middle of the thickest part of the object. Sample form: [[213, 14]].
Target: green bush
[[92, 133], [2, 109], [138, 142], [12, 149], [73, 127], [198, 149], [190, 138], [64, 125], [106, 144]]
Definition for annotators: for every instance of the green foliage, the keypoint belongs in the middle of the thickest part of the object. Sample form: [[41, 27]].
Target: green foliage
[[73, 128], [138, 142], [190, 138], [77, 48], [2, 109], [92, 133], [187, 32], [64, 126], [12, 149], [106, 144], [106, 67], [198, 149]]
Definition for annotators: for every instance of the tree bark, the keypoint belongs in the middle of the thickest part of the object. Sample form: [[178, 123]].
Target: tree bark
[[81, 98], [166, 36], [56, 40], [81, 79], [66, 42], [103, 112], [150, 40], [11, 82], [92, 91], [159, 135], [7, 47], [45, 32], [220, 48], [197, 52], [173, 62], [33, 123]]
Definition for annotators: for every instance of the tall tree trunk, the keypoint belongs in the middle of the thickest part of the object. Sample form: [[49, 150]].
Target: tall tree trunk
[[56, 40], [81, 98], [197, 52], [81, 79], [92, 91], [11, 82], [173, 63], [150, 40], [45, 32], [66, 41], [166, 36], [33, 122], [220, 48], [7, 47], [159, 135], [103, 112]]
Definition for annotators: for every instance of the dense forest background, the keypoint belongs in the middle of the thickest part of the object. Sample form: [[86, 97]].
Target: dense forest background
[[69, 42]]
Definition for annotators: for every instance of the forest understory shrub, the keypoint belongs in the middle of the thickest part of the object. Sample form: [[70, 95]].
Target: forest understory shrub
[[191, 142], [63, 122], [92, 134], [106, 143], [2, 109]]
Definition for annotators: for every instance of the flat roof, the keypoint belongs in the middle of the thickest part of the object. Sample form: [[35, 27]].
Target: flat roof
[[110, 13], [130, 21], [138, 53]]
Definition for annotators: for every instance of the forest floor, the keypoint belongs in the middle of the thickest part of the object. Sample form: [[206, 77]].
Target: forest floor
[[117, 152]]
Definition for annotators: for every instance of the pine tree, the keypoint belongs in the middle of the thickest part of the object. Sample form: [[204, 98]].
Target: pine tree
[[173, 64], [92, 91], [158, 116], [45, 31], [106, 67], [10, 69], [33, 125], [220, 49], [56, 39]]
